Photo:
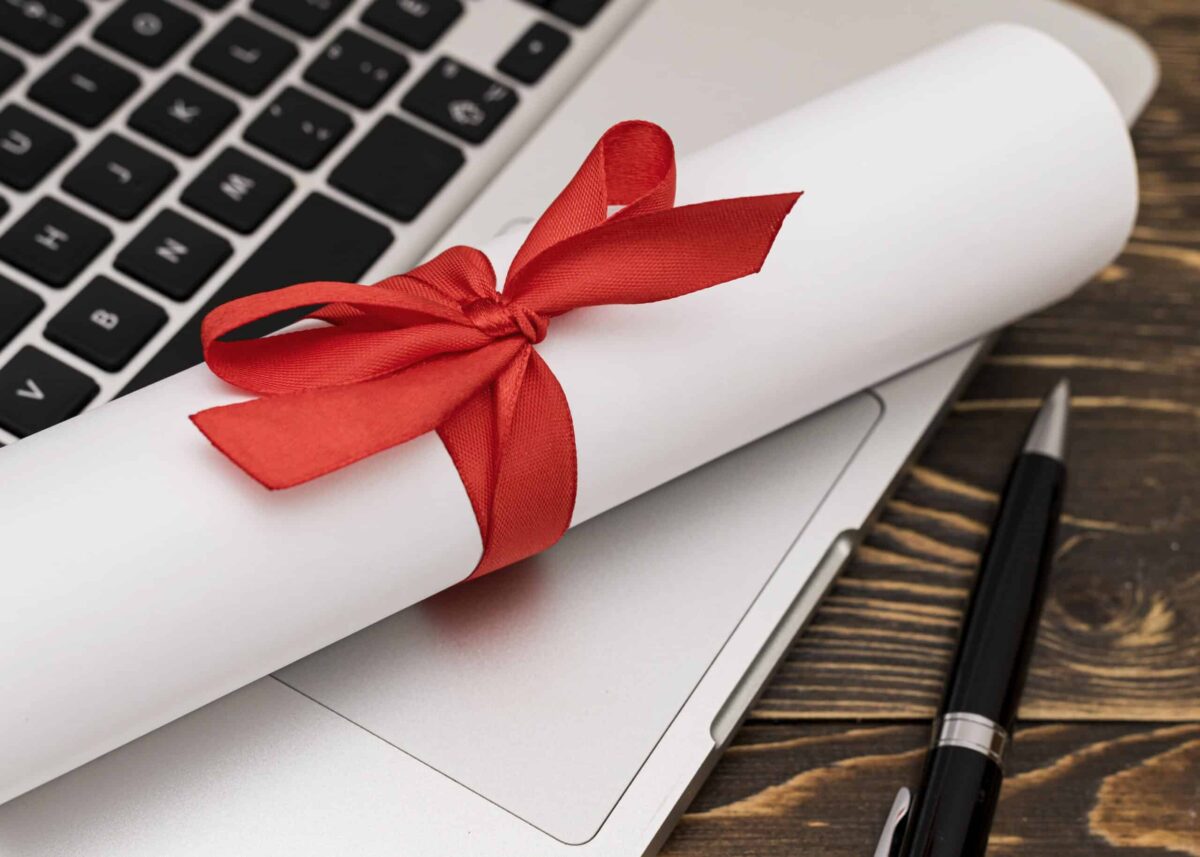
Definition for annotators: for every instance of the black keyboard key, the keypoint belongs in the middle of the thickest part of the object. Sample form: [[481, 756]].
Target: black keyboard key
[[309, 17], [418, 23], [238, 190], [534, 53], [245, 56], [119, 177], [18, 306], [106, 324], [173, 255], [357, 69], [37, 391], [84, 87], [29, 147], [149, 31], [320, 240], [10, 69], [298, 128], [212, 4], [39, 25], [460, 100], [397, 168], [53, 242], [580, 12], [184, 115]]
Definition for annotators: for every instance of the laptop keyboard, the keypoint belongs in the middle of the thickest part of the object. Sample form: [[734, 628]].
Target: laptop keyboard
[[161, 157]]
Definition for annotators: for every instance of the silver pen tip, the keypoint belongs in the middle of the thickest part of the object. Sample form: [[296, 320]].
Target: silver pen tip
[[1048, 434]]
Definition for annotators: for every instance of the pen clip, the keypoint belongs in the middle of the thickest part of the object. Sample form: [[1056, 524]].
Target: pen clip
[[893, 827]]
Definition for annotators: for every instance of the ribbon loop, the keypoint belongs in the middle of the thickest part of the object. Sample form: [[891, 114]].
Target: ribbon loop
[[441, 349]]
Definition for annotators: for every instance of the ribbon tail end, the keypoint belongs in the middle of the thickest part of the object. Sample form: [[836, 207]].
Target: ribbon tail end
[[785, 202], [210, 425]]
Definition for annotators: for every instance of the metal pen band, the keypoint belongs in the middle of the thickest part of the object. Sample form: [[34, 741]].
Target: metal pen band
[[973, 732]]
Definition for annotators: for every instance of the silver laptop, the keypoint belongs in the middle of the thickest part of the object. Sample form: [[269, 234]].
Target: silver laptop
[[193, 151]]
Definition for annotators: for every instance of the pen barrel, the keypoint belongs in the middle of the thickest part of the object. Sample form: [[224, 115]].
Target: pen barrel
[[954, 808], [998, 632], [960, 787]]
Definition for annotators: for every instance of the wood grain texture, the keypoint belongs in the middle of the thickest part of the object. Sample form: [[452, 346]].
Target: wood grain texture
[[1073, 790], [1107, 761]]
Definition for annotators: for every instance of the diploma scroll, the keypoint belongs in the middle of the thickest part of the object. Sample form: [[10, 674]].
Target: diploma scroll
[[143, 575]]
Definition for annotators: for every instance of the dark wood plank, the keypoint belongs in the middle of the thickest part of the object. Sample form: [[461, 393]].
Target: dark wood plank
[[1079, 790], [1121, 635]]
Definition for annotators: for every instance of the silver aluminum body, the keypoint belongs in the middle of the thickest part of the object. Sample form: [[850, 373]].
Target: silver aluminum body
[[321, 760]]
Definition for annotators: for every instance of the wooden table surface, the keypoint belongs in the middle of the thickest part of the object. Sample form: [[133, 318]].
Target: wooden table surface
[[1106, 760]]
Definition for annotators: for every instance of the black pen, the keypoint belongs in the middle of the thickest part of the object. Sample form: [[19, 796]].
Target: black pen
[[951, 814]]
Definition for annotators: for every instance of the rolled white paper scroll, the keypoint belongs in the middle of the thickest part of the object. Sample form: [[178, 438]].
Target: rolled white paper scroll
[[144, 575]]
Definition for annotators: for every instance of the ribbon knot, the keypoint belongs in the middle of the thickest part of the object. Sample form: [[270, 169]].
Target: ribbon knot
[[441, 349], [498, 318]]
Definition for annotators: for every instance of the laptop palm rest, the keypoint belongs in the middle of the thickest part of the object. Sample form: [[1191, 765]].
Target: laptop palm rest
[[545, 687]]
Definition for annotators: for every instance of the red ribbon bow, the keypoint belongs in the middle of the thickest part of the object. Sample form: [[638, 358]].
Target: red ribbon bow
[[440, 348]]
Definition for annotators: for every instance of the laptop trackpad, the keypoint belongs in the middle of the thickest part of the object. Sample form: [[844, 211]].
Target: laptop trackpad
[[545, 687]]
